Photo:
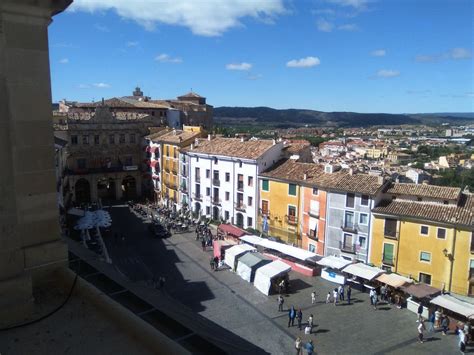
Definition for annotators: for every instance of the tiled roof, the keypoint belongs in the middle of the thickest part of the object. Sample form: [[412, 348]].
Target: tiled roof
[[359, 183], [191, 95], [176, 136], [117, 102], [293, 171], [441, 192], [460, 214], [231, 147], [296, 147]]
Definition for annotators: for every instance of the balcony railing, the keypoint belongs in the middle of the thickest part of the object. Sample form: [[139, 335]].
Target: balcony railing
[[314, 213], [216, 201], [349, 227], [293, 220], [197, 197], [216, 182], [240, 206], [312, 235], [348, 248], [391, 234]]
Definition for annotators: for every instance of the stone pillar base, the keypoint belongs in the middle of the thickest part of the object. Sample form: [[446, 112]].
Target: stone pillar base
[[16, 301]]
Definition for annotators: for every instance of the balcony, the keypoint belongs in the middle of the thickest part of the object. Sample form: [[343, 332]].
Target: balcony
[[312, 235], [240, 186], [183, 189], [293, 220], [197, 197], [174, 169], [216, 182], [239, 206], [391, 235], [387, 261], [349, 228], [167, 168], [216, 201], [347, 248], [184, 173], [314, 213], [198, 178]]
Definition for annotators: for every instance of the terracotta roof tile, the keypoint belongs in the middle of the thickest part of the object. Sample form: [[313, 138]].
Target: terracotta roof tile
[[441, 192], [252, 149], [177, 136]]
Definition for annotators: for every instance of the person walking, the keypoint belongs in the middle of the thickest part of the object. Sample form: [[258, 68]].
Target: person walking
[[328, 297], [371, 296], [383, 293], [431, 320], [281, 300], [421, 328], [291, 316], [445, 325], [298, 346], [462, 341], [216, 263], [309, 347], [420, 312], [313, 297], [335, 296], [299, 317], [341, 292], [203, 244], [349, 291], [310, 323], [437, 318]]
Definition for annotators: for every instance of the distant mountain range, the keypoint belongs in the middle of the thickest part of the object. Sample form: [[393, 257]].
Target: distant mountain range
[[298, 117]]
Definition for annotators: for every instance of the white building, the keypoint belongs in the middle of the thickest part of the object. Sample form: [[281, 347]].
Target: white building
[[223, 181]]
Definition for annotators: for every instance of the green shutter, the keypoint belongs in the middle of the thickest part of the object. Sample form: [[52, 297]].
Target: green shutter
[[388, 252], [292, 189], [265, 185]]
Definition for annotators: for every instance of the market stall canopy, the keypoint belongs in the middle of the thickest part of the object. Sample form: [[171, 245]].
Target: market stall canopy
[[363, 271], [249, 263], [289, 250], [454, 305], [232, 230], [265, 274], [334, 262], [394, 280], [421, 290], [234, 252]]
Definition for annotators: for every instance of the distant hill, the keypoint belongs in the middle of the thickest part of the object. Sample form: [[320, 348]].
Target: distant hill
[[297, 117]]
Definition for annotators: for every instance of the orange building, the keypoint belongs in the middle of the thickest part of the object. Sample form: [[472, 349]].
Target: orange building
[[313, 219]]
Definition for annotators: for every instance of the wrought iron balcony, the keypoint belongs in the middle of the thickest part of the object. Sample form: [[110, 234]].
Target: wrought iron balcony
[[348, 248], [391, 234], [293, 220], [240, 206], [240, 186], [216, 182], [216, 201], [387, 261], [314, 213], [349, 227], [197, 197]]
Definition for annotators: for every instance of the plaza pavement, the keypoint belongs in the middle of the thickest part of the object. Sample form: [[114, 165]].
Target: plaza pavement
[[237, 305]]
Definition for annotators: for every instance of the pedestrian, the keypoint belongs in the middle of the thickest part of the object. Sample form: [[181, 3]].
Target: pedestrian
[[335, 296], [310, 323], [383, 293], [299, 317], [313, 297], [341, 292], [216, 263], [349, 291], [280, 303], [212, 264], [291, 316], [328, 297], [421, 328], [462, 341], [445, 324], [431, 328], [281, 285], [298, 346], [310, 347], [420, 312], [374, 299], [203, 244], [438, 318]]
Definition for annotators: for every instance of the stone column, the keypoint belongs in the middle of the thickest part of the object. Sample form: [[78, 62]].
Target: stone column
[[30, 244]]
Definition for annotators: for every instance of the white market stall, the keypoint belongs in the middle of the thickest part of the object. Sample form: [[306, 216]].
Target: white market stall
[[362, 274], [249, 263], [332, 266], [265, 275], [232, 254], [454, 305]]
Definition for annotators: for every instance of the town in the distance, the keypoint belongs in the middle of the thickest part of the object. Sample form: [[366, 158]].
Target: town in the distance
[[385, 209]]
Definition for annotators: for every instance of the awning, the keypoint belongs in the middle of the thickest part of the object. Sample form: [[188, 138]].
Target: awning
[[265, 274], [249, 263], [234, 252], [232, 230], [394, 280], [454, 305], [289, 250], [334, 262], [363, 271], [421, 290]]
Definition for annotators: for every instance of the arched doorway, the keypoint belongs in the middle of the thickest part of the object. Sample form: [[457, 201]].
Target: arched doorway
[[215, 213], [83, 191], [106, 188], [129, 188], [240, 220]]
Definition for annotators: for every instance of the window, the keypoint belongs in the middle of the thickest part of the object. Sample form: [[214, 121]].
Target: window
[[85, 139], [197, 173], [292, 189], [216, 161], [73, 140], [349, 220], [96, 139], [425, 278], [249, 201], [208, 210], [111, 139], [227, 177], [250, 180], [133, 138], [390, 228], [313, 228], [240, 182], [471, 269], [208, 191], [347, 241], [424, 230], [167, 151], [122, 138], [249, 221], [350, 200], [362, 242], [240, 163], [227, 195], [265, 185], [81, 163], [128, 160], [315, 191], [208, 173], [364, 200], [363, 218], [472, 242], [441, 233], [216, 174], [311, 248], [226, 215], [387, 256], [291, 214], [425, 256], [264, 207]]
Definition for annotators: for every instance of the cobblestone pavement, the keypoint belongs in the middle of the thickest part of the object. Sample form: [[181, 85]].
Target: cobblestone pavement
[[237, 305]]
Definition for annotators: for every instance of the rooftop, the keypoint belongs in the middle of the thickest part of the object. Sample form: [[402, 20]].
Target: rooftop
[[232, 147], [421, 190], [293, 171], [176, 136]]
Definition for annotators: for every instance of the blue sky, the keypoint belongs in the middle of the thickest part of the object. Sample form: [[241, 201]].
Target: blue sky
[[330, 55]]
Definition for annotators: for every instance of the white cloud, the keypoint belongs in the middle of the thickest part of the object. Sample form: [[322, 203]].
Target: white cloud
[[303, 62], [205, 18], [459, 53], [351, 27], [64, 61], [426, 58], [101, 85], [254, 76], [83, 86], [239, 66], [132, 44], [387, 73], [324, 25], [101, 28], [165, 58], [356, 4], [378, 53]]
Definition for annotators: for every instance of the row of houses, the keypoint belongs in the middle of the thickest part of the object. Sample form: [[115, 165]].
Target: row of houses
[[420, 231]]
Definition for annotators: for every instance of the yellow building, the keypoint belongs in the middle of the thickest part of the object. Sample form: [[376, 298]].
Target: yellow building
[[426, 233], [376, 152], [170, 145]]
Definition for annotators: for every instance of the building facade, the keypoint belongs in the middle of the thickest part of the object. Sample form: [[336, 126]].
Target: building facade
[[313, 218]]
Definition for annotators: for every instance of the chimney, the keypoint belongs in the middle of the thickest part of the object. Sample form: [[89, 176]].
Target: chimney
[[208, 137], [196, 142], [351, 171], [242, 139], [304, 176], [192, 146], [274, 141]]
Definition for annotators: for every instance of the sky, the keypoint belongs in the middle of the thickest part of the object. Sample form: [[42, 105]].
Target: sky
[[394, 56]]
